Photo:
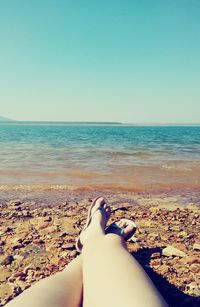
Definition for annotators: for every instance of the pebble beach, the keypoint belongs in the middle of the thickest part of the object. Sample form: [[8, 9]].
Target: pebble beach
[[37, 239]]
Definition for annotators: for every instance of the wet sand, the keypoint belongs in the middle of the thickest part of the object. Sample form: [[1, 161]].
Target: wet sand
[[38, 234]]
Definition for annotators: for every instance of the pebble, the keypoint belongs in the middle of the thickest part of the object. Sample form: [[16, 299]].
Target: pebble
[[196, 246], [155, 255], [172, 251], [8, 260], [193, 288], [68, 246]]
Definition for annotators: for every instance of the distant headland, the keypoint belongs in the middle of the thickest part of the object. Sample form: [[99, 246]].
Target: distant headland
[[5, 119]]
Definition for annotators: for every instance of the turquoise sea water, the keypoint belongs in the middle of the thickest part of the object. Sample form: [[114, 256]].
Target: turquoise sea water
[[131, 157]]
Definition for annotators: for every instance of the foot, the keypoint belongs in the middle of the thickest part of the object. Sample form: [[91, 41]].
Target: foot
[[98, 216], [124, 228]]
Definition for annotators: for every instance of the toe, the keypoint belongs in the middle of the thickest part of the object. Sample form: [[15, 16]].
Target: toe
[[122, 223], [100, 201], [128, 229]]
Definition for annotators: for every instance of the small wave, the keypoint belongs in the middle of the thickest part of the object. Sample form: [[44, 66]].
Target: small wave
[[177, 168], [123, 187], [139, 154]]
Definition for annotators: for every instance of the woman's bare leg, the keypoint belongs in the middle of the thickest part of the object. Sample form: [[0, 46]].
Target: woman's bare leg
[[111, 276], [64, 289]]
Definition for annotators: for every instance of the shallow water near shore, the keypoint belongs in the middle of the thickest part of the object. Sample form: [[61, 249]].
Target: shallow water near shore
[[65, 157]]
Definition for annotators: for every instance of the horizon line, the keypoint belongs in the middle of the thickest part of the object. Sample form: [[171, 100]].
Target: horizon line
[[14, 121], [75, 123]]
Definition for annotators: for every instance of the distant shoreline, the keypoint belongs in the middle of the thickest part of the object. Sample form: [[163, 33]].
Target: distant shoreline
[[62, 123]]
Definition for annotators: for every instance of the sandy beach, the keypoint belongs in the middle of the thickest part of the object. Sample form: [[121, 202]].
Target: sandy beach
[[37, 239]]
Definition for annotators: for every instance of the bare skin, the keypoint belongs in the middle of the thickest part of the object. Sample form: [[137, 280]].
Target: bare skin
[[111, 276], [64, 289], [104, 275]]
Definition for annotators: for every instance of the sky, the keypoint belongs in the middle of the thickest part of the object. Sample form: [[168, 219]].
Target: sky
[[134, 61]]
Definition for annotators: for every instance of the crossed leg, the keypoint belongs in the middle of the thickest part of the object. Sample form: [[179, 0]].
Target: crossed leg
[[64, 289], [111, 276]]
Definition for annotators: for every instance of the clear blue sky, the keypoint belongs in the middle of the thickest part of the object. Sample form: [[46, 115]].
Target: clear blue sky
[[131, 60]]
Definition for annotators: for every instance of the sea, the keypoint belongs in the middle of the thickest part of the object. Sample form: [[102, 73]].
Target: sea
[[45, 156]]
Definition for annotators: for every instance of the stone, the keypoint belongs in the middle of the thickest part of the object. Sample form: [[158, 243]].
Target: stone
[[8, 260], [64, 254], [154, 236], [2, 242], [172, 251], [192, 259], [48, 219], [155, 263], [195, 268], [134, 239], [119, 208], [15, 202], [163, 269], [193, 289], [182, 234], [155, 255], [73, 253], [154, 210], [196, 246], [18, 257], [68, 246], [18, 246]]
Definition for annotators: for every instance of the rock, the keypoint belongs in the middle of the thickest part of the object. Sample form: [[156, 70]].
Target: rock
[[18, 246], [156, 263], [154, 210], [154, 236], [182, 234], [2, 242], [1, 251], [193, 289], [73, 253], [18, 258], [64, 254], [192, 259], [8, 260], [64, 234], [68, 246], [175, 228], [164, 238], [120, 208], [163, 269], [155, 255], [134, 239], [52, 229], [48, 219], [135, 247], [196, 246], [17, 241], [172, 251], [15, 202], [195, 268]]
